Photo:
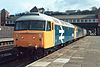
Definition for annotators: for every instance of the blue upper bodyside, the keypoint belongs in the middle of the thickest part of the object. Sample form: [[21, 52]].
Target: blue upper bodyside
[[63, 34]]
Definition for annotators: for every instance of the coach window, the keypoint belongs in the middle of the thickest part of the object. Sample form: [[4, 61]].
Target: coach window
[[93, 20], [48, 26]]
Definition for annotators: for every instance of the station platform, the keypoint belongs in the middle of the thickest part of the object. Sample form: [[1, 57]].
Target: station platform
[[82, 53]]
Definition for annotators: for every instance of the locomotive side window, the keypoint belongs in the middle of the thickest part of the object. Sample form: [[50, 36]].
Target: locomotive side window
[[48, 26], [52, 26]]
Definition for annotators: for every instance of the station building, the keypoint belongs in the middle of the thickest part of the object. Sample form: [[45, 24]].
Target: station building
[[5, 31], [4, 14], [91, 22]]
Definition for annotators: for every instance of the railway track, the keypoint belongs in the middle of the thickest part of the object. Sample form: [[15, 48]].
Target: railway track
[[18, 61], [12, 60], [6, 45]]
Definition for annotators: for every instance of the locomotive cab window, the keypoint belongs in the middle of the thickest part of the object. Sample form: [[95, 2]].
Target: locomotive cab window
[[52, 26], [38, 25], [33, 25], [48, 26], [30, 25]]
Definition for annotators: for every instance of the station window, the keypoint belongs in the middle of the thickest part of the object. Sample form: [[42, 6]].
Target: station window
[[93, 20], [12, 22], [74, 20], [82, 20], [89, 20], [9, 43], [70, 20], [96, 20], [7, 22], [78, 20], [66, 20], [2, 44], [85, 20]]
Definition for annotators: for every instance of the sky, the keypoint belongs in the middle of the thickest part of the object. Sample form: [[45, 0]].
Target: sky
[[18, 6]]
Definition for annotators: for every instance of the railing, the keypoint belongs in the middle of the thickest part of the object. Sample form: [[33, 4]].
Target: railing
[[6, 43]]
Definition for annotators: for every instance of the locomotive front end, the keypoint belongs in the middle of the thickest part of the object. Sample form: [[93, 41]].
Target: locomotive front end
[[29, 33], [34, 32], [29, 39]]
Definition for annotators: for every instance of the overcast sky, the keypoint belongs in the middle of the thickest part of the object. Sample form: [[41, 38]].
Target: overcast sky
[[17, 6]]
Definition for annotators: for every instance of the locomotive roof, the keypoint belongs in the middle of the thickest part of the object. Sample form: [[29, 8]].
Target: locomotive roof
[[34, 16], [43, 17]]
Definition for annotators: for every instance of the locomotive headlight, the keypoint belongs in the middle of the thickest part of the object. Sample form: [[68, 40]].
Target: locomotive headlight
[[33, 37], [36, 46], [22, 37]]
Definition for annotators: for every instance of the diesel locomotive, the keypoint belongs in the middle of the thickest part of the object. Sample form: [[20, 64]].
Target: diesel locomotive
[[39, 31]]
